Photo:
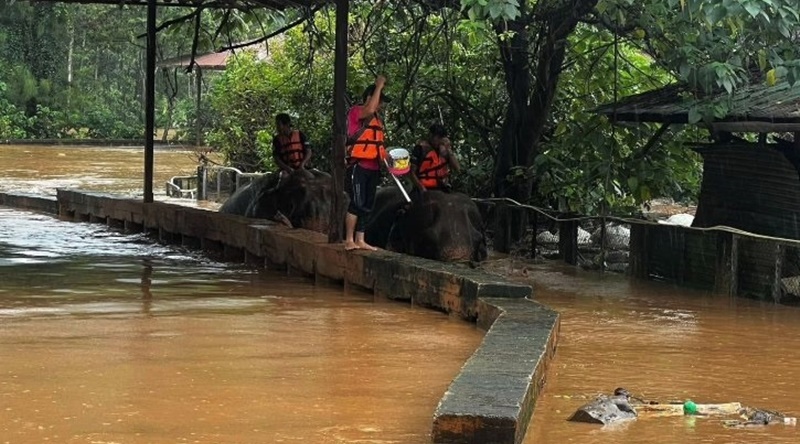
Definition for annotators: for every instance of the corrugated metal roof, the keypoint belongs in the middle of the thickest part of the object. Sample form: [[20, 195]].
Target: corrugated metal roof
[[216, 60], [671, 104]]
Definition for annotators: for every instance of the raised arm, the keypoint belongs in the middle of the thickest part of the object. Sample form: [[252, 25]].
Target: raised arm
[[371, 107]]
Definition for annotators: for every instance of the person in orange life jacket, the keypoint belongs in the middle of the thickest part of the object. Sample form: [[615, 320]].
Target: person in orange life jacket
[[432, 160], [290, 148], [366, 153]]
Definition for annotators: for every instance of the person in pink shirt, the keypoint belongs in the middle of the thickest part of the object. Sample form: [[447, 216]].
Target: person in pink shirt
[[366, 150]]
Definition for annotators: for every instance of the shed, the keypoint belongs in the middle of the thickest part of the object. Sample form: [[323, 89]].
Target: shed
[[753, 186], [749, 183]]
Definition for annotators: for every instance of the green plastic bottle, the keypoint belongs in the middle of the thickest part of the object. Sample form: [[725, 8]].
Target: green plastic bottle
[[689, 407]]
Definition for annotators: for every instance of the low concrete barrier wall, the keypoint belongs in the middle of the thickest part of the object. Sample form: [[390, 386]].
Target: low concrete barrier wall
[[32, 202], [490, 401]]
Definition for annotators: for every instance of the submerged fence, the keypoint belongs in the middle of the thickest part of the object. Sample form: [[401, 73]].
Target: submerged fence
[[219, 182], [721, 259]]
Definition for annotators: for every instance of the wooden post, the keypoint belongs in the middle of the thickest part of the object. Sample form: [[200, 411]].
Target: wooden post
[[603, 241], [639, 267], [336, 223], [680, 239], [734, 266], [727, 268], [777, 289], [150, 101], [198, 137], [568, 241], [535, 225]]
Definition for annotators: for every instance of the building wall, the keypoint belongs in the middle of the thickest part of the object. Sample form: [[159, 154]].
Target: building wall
[[749, 187]]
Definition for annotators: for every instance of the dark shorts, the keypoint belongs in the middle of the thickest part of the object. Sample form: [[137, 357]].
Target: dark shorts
[[361, 185]]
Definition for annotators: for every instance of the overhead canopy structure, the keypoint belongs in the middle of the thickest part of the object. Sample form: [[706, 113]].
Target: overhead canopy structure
[[339, 79], [210, 4], [217, 61], [754, 108]]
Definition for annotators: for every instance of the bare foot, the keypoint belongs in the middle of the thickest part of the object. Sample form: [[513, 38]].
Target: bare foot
[[350, 246], [366, 246]]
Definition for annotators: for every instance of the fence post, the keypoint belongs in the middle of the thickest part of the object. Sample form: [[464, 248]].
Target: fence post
[[201, 182], [568, 241], [734, 267], [776, 282], [535, 224], [727, 267], [639, 267]]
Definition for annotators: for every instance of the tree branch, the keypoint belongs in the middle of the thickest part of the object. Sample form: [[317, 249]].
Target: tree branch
[[282, 30]]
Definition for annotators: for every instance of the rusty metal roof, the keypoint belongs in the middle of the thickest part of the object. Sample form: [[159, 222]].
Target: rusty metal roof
[[219, 4], [216, 60], [778, 104]]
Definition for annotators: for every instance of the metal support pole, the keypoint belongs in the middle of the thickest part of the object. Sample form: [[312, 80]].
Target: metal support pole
[[336, 222], [149, 101], [198, 130]]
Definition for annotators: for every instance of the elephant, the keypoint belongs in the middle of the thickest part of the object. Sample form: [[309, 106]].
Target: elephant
[[301, 199], [435, 225]]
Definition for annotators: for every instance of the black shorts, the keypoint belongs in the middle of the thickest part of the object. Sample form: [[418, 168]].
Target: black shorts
[[361, 185]]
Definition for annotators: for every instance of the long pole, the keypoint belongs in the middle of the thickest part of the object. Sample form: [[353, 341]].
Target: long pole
[[150, 101], [335, 233], [198, 130]]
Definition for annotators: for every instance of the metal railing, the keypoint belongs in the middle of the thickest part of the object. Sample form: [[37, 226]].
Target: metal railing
[[184, 187], [215, 174]]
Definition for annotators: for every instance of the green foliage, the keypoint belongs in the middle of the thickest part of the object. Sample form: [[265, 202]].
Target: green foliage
[[431, 66], [440, 67], [493, 9], [716, 45], [12, 120], [76, 71], [242, 97], [589, 167]]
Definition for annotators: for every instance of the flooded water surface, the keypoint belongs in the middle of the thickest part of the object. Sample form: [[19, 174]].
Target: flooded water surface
[[40, 169], [106, 338], [664, 344]]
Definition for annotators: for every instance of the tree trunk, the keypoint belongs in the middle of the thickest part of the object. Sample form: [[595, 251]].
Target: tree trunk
[[70, 50], [515, 140], [530, 102]]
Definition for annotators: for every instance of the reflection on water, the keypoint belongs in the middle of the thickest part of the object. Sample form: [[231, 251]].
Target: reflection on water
[[108, 338], [664, 343]]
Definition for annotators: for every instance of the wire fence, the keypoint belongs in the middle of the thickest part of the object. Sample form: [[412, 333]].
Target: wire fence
[[720, 258]]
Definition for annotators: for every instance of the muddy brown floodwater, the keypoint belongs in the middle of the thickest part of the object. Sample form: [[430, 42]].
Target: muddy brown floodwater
[[158, 346], [106, 338], [40, 169], [663, 343]]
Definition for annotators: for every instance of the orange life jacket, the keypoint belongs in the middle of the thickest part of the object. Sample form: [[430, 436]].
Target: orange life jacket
[[433, 170], [368, 142], [291, 151]]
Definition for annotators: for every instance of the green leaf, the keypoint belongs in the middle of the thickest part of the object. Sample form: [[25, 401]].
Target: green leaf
[[752, 8], [694, 115]]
